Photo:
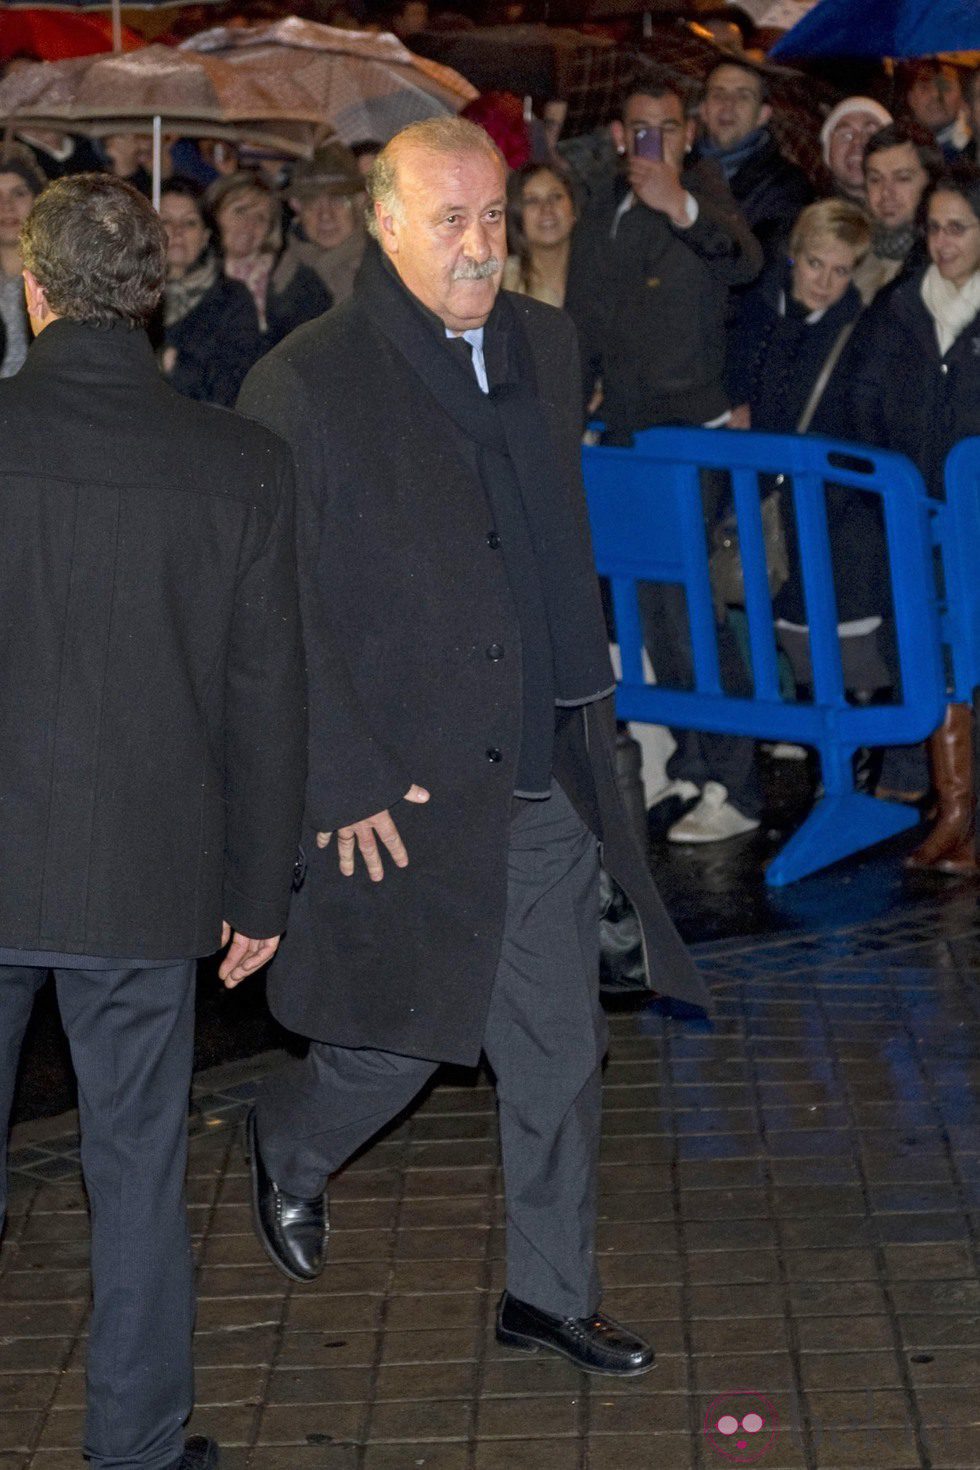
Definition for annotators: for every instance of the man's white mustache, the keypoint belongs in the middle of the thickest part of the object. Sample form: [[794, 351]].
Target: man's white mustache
[[474, 270]]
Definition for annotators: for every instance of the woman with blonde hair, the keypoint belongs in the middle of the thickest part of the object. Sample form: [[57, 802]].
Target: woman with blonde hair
[[787, 377]]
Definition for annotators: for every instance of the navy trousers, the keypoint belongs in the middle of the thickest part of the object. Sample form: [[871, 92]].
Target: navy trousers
[[545, 1038], [131, 1035]]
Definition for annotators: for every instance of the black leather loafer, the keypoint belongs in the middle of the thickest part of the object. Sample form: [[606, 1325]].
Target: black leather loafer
[[594, 1344], [291, 1230], [199, 1454]]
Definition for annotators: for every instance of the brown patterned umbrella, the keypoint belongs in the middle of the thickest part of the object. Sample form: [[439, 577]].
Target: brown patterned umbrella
[[362, 85], [204, 95]]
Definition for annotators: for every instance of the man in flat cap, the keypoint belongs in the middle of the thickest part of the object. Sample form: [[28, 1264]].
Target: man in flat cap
[[326, 194]]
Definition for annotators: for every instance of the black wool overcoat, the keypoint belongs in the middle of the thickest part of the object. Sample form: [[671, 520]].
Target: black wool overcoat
[[405, 592], [152, 729]]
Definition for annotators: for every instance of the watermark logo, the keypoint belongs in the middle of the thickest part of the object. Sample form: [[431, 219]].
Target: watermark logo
[[741, 1426]]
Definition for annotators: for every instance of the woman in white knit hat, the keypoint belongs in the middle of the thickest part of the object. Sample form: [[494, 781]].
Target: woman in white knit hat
[[843, 138]]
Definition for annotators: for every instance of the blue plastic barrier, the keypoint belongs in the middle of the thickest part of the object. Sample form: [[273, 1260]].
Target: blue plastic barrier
[[956, 533], [648, 526]]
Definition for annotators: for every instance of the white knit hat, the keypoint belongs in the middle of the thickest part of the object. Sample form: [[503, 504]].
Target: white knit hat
[[851, 104]]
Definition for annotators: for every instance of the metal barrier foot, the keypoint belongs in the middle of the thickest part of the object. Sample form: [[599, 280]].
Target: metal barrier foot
[[837, 827]]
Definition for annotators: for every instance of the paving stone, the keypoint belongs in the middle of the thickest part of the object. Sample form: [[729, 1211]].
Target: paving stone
[[866, 1449], [844, 1333], [309, 1424], [516, 1454], [528, 1417], [849, 1370], [848, 1210], [415, 1456], [433, 1419], [952, 1449]]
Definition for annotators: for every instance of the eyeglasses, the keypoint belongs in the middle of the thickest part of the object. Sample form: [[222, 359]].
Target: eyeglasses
[[954, 228], [855, 134]]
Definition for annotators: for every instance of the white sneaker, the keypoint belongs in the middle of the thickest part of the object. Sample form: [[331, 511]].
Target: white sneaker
[[683, 790], [783, 751], [714, 819]]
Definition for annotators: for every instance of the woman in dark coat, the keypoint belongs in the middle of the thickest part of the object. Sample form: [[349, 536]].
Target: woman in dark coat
[[915, 387], [210, 334], [247, 218], [791, 330]]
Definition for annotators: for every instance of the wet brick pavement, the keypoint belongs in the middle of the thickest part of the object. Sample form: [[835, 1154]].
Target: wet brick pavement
[[789, 1209]]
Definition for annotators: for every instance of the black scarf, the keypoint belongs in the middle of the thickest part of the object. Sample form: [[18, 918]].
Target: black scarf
[[565, 656]]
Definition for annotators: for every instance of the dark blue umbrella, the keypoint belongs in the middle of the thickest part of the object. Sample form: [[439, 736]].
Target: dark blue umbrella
[[898, 28]]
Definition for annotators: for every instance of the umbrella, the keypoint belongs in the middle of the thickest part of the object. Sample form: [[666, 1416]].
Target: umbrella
[[363, 85], [54, 34], [114, 6], [144, 89], [880, 28], [799, 102]]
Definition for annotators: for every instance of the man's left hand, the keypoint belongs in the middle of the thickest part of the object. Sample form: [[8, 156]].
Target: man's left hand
[[244, 956], [657, 184]]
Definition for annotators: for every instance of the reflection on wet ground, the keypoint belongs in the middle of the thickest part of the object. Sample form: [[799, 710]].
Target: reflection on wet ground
[[790, 1202]]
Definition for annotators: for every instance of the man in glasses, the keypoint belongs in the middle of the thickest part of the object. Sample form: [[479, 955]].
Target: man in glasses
[[844, 136]]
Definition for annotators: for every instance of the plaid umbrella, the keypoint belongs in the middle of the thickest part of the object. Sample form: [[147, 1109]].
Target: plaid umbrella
[[362, 85]]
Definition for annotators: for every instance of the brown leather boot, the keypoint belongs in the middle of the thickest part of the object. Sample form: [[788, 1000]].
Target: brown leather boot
[[950, 846]]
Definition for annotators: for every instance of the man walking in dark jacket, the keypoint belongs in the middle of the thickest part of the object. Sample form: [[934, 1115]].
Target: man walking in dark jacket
[[443, 535], [151, 761]]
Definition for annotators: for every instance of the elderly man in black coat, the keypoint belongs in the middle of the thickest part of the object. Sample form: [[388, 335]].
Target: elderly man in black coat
[[152, 756], [444, 545]]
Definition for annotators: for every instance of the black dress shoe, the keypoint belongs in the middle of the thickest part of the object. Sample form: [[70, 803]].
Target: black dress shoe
[[199, 1454], [595, 1344], [292, 1230]]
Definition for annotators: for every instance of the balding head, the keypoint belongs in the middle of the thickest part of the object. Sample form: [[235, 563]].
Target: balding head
[[438, 193]]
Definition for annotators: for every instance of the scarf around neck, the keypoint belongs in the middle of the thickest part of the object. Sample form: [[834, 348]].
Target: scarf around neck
[[952, 309], [183, 293], [732, 159], [507, 421], [896, 244]]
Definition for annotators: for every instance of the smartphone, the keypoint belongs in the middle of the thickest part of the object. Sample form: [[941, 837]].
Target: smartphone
[[649, 143]]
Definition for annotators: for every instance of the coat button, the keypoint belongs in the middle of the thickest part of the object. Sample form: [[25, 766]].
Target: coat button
[[493, 541], [494, 755], [495, 652], [944, 369]]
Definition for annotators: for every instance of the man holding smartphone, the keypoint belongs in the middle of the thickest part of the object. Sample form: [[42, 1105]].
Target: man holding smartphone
[[653, 260]]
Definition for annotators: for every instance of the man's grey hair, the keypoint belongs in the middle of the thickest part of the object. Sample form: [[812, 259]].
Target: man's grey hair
[[98, 248], [445, 135]]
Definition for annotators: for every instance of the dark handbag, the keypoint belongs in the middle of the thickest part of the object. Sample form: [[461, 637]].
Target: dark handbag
[[725, 562]]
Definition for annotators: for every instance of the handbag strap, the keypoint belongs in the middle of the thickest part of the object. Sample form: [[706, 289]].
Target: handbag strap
[[826, 372]]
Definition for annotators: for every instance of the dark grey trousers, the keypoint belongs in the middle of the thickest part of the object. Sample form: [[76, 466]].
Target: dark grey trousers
[[131, 1034], [545, 1039]]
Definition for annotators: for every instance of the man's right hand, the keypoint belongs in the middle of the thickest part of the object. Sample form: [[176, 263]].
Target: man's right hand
[[364, 835], [657, 184]]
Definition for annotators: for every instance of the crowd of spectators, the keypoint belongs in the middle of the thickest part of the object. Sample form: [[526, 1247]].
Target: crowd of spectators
[[713, 283]]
